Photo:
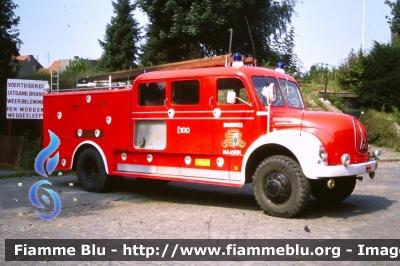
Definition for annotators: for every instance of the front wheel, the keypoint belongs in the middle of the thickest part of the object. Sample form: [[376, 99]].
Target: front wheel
[[280, 187], [343, 188], [91, 171]]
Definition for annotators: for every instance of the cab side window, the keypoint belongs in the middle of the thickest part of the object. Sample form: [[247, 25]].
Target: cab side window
[[151, 94], [186, 92], [231, 84]]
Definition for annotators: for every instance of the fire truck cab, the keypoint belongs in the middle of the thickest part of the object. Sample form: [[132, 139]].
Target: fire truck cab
[[226, 126]]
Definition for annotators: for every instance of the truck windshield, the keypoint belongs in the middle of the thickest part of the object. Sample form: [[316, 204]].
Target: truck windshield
[[260, 82], [291, 93]]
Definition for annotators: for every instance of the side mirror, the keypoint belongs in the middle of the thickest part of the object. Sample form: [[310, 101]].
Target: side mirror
[[231, 97]]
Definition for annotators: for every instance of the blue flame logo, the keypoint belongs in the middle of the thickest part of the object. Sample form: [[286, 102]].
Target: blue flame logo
[[35, 201], [44, 154], [41, 159]]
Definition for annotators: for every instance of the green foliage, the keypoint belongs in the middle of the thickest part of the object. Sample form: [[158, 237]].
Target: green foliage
[[79, 66], [30, 150], [67, 80], [381, 128], [181, 30], [337, 101], [380, 79], [374, 76], [396, 114], [311, 97], [394, 21], [76, 68], [42, 75], [350, 71], [319, 76], [284, 47], [9, 39], [9, 46], [121, 40]]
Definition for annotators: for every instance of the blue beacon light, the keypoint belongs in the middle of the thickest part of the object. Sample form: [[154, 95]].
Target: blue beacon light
[[237, 60], [279, 67]]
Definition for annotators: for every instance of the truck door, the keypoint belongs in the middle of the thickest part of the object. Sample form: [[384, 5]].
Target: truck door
[[233, 126], [185, 112]]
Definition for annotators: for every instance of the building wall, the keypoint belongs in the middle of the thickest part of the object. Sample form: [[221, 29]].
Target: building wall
[[28, 64]]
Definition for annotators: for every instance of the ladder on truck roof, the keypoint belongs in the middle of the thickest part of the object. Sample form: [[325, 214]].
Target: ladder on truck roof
[[54, 80], [122, 79]]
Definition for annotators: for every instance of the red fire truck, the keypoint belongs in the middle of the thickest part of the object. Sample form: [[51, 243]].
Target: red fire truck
[[226, 126]]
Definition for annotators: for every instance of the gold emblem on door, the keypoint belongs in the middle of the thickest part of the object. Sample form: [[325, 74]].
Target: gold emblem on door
[[233, 139]]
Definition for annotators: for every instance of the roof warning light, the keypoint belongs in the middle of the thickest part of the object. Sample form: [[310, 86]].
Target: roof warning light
[[237, 60]]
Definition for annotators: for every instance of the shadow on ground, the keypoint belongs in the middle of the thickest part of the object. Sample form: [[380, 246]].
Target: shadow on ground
[[242, 198]]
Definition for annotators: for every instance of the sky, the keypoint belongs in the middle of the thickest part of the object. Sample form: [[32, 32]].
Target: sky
[[327, 30]]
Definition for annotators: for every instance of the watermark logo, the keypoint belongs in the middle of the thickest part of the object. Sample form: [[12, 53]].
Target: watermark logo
[[35, 201], [44, 154], [41, 159]]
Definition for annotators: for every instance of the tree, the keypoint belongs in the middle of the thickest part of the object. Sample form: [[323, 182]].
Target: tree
[[9, 47], [181, 30], [284, 47], [380, 77], [350, 72], [9, 38], [121, 40], [78, 66], [394, 21]]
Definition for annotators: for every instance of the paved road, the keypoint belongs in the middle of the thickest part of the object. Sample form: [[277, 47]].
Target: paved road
[[180, 211]]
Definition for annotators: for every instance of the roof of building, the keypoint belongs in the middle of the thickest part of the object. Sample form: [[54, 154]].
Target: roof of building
[[22, 57]]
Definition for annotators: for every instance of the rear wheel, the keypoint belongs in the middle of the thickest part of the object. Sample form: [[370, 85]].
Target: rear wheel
[[343, 188], [91, 171], [280, 187]]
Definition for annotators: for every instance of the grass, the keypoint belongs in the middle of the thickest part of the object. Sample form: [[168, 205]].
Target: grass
[[311, 97], [381, 129]]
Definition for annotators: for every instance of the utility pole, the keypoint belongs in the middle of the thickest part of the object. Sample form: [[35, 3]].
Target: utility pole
[[326, 82], [363, 27]]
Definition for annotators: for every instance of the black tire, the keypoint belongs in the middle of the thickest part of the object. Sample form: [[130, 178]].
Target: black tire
[[343, 188], [91, 171], [280, 187]]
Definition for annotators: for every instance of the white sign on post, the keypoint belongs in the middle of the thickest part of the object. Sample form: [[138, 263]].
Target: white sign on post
[[25, 99]]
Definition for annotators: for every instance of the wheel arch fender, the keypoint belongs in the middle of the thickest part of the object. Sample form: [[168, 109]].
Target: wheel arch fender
[[301, 146], [84, 145]]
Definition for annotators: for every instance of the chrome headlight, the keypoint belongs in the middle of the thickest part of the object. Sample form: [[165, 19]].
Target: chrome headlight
[[345, 159], [323, 154], [377, 154]]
